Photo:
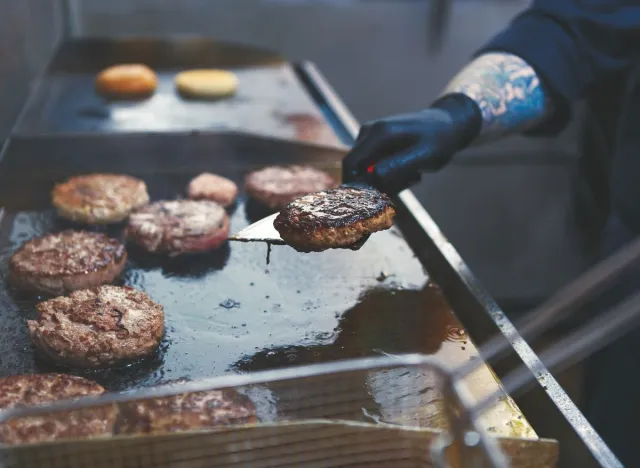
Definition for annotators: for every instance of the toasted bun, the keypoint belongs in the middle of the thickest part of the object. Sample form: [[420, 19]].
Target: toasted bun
[[207, 83], [127, 80]]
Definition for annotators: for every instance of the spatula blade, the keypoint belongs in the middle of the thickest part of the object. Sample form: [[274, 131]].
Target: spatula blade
[[260, 231]]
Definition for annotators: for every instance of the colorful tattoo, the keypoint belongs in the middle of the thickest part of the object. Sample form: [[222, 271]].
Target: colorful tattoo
[[507, 90]]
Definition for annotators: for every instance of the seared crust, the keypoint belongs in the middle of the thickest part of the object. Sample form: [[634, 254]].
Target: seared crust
[[127, 80], [337, 218], [27, 390], [179, 226], [212, 187], [275, 186], [99, 198], [98, 327], [187, 411], [67, 261]]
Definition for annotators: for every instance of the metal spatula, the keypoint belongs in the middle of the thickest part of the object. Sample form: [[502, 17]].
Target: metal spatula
[[260, 231]]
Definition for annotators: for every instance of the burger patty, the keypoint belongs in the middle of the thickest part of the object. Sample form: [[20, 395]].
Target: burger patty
[[28, 390], [179, 226], [188, 411], [67, 261], [275, 186], [98, 327], [212, 187], [338, 218], [99, 198]]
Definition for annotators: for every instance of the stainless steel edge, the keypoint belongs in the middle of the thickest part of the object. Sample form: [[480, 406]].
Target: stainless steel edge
[[33, 93], [437, 254], [455, 393], [340, 110], [230, 381], [73, 26]]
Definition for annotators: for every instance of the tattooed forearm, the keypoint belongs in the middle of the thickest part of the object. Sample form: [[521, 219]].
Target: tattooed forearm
[[507, 90]]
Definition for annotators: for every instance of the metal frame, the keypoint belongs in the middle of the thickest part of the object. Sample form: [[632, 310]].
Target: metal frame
[[464, 440], [470, 300]]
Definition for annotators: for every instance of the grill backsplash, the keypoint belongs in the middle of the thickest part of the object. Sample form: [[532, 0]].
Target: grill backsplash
[[29, 33]]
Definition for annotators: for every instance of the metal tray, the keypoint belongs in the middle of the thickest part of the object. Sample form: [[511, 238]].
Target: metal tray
[[323, 418], [270, 99]]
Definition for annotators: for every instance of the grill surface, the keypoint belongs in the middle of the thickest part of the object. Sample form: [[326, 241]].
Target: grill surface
[[270, 99], [229, 311]]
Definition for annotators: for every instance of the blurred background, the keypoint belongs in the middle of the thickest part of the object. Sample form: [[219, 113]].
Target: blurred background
[[520, 212]]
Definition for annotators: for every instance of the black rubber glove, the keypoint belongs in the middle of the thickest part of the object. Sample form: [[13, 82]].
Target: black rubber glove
[[391, 153]]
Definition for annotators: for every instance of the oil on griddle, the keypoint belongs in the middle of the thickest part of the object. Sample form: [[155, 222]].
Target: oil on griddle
[[228, 311]]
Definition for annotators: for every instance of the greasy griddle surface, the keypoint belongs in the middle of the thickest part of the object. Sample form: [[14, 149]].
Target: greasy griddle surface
[[227, 311], [270, 99]]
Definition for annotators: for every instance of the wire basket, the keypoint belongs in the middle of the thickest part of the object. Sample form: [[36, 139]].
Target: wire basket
[[386, 411]]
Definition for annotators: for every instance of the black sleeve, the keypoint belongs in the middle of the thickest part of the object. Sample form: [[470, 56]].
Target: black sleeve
[[573, 44]]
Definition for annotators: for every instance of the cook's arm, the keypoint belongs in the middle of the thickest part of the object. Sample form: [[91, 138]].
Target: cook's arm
[[524, 79], [507, 91], [496, 94]]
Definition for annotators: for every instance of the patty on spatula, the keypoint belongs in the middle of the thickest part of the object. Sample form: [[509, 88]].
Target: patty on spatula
[[342, 217]]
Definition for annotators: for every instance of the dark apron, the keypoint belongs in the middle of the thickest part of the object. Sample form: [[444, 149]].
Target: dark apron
[[612, 380]]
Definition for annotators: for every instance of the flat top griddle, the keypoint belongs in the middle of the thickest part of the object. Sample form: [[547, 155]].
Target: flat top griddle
[[230, 311], [31, 164], [270, 100]]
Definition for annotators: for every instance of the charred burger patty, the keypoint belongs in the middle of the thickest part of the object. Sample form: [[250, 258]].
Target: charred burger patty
[[338, 218], [179, 226], [99, 327], [212, 187], [183, 412], [99, 198], [28, 390], [275, 186], [67, 261]]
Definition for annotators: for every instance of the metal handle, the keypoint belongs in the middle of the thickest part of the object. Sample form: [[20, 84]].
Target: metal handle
[[71, 18], [566, 301], [438, 22]]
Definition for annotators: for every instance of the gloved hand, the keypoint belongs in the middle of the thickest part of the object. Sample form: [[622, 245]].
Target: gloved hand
[[391, 153]]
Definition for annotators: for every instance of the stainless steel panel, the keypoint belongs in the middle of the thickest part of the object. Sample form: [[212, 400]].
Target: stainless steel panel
[[29, 32]]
